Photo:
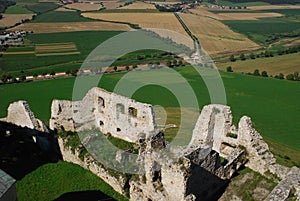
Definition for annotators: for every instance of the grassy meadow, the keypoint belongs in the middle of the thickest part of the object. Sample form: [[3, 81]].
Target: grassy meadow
[[49, 182], [272, 104]]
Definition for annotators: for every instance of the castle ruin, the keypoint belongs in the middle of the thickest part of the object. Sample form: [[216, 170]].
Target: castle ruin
[[191, 172]]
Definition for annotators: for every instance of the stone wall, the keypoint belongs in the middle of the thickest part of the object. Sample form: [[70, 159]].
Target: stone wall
[[117, 115], [117, 182]]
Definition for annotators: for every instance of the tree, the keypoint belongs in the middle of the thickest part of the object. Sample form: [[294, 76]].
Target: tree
[[252, 56], [242, 57], [175, 62], [296, 76], [229, 69], [231, 58], [52, 73], [35, 75], [256, 72], [264, 74], [115, 68], [169, 63], [127, 68], [290, 77], [281, 76], [180, 63], [134, 66], [22, 78]]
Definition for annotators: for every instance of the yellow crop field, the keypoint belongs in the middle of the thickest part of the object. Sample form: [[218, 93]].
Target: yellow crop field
[[12, 19], [285, 64], [149, 21], [247, 16], [84, 6], [139, 5], [215, 37], [271, 7], [233, 15], [70, 27]]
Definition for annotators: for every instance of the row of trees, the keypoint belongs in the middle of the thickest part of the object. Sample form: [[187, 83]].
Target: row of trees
[[293, 76], [265, 54]]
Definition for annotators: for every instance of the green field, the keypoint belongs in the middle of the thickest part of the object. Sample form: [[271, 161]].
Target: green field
[[272, 104], [50, 181], [61, 16], [85, 42], [42, 7], [17, 9], [232, 4], [260, 30]]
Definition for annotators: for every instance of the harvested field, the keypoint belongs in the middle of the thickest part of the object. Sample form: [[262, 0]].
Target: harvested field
[[70, 27], [15, 53], [247, 16], [271, 7], [9, 20], [112, 4], [84, 6], [64, 9], [234, 15], [285, 64], [139, 5], [215, 37], [144, 20], [56, 54], [55, 49]]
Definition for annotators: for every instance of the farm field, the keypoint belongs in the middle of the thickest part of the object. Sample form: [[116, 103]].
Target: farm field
[[17, 9], [60, 16], [146, 21], [215, 37], [139, 5], [260, 30], [71, 27], [85, 42], [271, 7], [285, 64], [254, 4], [234, 15], [83, 6], [272, 104], [42, 7], [112, 4], [56, 179], [9, 20]]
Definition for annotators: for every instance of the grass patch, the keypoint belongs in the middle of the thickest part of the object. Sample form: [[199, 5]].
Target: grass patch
[[61, 16], [50, 181], [17, 9], [42, 7]]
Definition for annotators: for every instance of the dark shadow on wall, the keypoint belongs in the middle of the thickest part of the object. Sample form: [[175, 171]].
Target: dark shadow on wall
[[205, 185], [20, 154], [84, 196]]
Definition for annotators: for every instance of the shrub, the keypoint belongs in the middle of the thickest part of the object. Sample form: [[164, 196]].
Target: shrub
[[229, 69]]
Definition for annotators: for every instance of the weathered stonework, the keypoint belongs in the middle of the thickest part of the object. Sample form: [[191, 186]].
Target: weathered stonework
[[19, 113], [117, 115], [116, 182]]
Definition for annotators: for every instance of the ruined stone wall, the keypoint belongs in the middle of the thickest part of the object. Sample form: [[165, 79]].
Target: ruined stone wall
[[117, 115], [19, 113], [215, 128], [116, 182]]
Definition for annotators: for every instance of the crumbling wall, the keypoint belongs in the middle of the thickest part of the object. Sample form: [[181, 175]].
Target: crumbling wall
[[288, 187], [116, 182], [215, 128], [19, 113], [113, 114]]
